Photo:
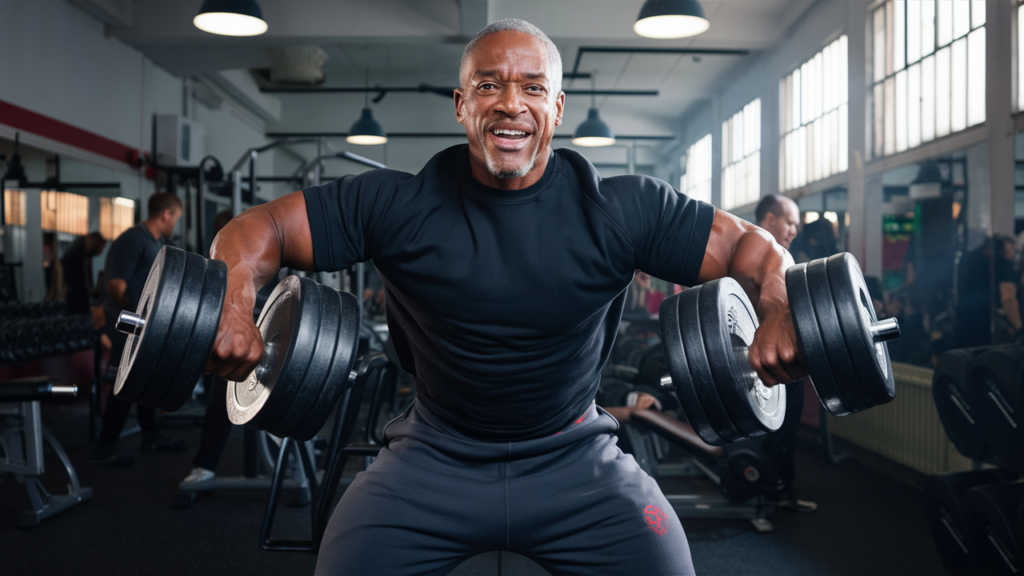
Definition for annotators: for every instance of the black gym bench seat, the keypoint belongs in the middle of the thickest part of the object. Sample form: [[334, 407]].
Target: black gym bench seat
[[21, 441]]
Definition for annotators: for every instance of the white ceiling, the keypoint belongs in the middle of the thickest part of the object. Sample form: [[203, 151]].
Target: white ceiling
[[409, 42]]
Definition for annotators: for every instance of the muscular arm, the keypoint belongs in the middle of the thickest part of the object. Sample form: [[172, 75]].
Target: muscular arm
[[255, 245], [750, 255]]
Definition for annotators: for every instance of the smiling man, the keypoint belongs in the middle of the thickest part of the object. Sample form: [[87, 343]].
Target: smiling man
[[506, 267]]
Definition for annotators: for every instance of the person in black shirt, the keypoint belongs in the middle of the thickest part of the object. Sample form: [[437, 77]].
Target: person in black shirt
[[128, 262], [779, 215], [987, 294], [506, 267], [78, 274]]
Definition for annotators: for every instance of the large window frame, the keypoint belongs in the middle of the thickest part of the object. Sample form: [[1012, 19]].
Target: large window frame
[[814, 118], [741, 157], [696, 182], [927, 73]]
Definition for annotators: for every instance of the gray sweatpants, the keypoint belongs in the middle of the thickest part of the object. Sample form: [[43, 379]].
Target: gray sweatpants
[[572, 502]]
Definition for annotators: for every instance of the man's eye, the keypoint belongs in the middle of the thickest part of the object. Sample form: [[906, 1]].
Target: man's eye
[[486, 86]]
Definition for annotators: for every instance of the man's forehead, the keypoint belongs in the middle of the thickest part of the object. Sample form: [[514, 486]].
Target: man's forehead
[[507, 50]]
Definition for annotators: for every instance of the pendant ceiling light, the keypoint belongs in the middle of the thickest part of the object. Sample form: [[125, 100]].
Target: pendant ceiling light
[[366, 131], [231, 18], [671, 19], [593, 131]]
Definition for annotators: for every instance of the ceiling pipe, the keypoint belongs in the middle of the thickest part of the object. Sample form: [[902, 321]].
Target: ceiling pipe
[[625, 50]]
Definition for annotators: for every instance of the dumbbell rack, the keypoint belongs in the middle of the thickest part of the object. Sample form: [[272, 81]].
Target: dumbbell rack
[[36, 330], [21, 437], [977, 516]]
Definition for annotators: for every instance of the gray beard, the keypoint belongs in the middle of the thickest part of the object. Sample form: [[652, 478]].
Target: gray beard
[[507, 173]]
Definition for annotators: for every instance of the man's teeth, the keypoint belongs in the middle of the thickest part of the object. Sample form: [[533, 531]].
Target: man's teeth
[[502, 132]]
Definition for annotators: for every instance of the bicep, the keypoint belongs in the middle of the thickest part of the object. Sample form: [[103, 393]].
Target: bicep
[[291, 223], [727, 231]]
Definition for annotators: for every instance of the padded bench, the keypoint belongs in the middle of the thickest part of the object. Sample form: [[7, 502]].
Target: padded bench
[[21, 440]]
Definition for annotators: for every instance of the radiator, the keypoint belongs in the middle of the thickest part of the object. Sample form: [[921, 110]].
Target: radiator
[[906, 430]]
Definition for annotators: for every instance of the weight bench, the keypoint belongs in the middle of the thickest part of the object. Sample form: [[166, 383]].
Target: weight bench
[[738, 474], [21, 440]]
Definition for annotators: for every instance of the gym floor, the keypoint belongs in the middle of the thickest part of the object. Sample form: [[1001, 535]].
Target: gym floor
[[868, 522]]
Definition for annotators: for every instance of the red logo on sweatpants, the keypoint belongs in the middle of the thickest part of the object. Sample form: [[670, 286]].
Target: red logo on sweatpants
[[656, 520]]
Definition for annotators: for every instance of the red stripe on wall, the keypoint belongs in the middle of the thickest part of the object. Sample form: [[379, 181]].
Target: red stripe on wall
[[29, 121]]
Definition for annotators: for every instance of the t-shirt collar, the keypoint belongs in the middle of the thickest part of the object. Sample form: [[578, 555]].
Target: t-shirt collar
[[498, 194]]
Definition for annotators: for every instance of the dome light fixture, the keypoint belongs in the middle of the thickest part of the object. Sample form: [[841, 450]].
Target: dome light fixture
[[366, 131], [593, 132], [231, 18], [671, 19]]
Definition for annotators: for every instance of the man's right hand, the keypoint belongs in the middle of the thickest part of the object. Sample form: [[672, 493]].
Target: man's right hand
[[239, 345]]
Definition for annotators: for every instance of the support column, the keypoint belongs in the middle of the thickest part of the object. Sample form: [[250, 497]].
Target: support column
[[856, 35], [998, 110], [716, 151], [872, 226]]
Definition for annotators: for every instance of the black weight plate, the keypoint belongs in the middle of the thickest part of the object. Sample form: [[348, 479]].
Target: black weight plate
[[741, 477], [289, 324], [943, 496], [700, 369], [319, 365], [727, 323], [832, 337], [204, 334], [808, 337], [180, 331], [996, 388], [956, 404], [156, 306], [679, 370], [337, 379], [856, 315], [990, 512]]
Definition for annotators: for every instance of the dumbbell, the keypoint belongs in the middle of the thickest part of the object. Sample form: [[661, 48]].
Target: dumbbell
[[707, 329], [310, 333]]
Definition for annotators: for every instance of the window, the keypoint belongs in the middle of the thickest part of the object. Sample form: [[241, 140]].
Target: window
[[65, 212], [116, 216], [14, 207], [813, 118], [928, 77], [696, 183], [1020, 56], [741, 157]]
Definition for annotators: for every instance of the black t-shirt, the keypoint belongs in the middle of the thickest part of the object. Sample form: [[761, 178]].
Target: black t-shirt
[[504, 304], [130, 257]]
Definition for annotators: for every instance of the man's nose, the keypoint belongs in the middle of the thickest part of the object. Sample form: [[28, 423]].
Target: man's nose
[[511, 102]]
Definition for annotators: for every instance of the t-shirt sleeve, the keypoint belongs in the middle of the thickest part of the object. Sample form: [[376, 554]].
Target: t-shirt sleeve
[[343, 215], [670, 230], [123, 258]]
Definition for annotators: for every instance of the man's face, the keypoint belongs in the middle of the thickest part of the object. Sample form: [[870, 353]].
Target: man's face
[[783, 226], [508, 109], [168, 220]]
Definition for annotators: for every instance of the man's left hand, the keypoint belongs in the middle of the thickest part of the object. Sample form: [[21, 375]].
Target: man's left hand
[[774, 354]]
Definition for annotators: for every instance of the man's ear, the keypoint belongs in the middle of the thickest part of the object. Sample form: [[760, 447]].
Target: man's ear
[[460, 104], [560, 106]]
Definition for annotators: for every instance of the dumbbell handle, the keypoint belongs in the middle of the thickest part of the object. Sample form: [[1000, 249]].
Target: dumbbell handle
[[129, 322], [885, 330]]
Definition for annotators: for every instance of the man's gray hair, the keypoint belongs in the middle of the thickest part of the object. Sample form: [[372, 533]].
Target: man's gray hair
[[517, 25]]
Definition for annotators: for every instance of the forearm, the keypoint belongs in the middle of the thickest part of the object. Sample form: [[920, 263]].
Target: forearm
[[258, 242]]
